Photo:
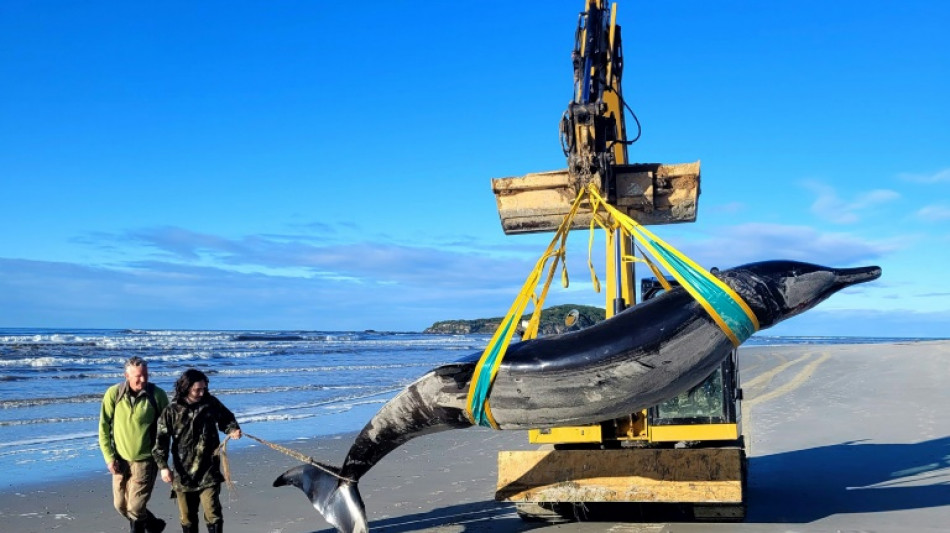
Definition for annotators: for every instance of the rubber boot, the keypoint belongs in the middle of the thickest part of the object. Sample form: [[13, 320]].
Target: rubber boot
[[216, 527], [192, 528], [153, 524], [137, 526]]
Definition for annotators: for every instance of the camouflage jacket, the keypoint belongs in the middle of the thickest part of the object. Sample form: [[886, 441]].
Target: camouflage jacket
[[190, 432]]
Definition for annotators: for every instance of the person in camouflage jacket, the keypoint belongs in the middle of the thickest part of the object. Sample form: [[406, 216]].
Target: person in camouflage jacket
[[188, 428]]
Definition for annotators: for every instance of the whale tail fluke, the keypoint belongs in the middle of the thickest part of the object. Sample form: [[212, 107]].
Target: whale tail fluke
[[338, 500]]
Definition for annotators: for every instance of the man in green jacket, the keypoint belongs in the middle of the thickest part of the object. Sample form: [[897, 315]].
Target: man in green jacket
[[127, 427]]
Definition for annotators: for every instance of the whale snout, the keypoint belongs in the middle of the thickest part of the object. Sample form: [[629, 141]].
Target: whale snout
[[782, 289], [845, 277]]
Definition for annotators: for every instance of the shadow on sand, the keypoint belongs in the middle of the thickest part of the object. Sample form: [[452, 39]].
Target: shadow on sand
[[805, 485], [469, 517], [800, 486]]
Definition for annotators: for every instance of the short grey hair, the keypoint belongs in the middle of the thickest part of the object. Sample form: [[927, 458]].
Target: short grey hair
[[135, 361]]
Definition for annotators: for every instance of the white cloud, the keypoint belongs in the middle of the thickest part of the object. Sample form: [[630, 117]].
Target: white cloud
[[174, 277], [934, 213], [941, 176], [167, 295], [829, 206], [371, 262], [757, 242]]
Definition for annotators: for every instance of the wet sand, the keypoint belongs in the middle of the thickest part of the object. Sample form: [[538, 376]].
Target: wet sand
[[840, 438]]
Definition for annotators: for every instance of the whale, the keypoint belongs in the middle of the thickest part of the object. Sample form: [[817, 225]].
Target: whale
[[640, 357]]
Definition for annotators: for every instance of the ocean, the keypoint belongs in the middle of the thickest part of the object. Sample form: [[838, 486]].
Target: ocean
[[281, 385]]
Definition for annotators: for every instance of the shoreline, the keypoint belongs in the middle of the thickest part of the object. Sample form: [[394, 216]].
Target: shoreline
[[840, 437]]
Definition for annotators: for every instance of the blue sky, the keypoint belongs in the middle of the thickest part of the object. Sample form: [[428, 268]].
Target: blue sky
[[327, 165]]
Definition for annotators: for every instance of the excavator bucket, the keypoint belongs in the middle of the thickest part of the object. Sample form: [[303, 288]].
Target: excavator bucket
[[650, 193]]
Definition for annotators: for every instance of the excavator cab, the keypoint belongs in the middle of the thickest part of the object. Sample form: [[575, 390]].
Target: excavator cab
[[704, 412]]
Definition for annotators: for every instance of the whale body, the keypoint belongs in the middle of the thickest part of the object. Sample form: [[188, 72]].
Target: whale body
[[638, 358]]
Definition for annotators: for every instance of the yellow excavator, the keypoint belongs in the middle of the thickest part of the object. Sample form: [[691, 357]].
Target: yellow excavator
[[687, 453]]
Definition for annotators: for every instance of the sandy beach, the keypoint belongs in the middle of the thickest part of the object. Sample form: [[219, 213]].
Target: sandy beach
[[840, 438]]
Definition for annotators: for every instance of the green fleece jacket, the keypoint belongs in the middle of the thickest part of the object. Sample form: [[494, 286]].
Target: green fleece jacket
[[127, 422]]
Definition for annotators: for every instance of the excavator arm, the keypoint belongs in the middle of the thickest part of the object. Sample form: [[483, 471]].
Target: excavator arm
[[632, 459]]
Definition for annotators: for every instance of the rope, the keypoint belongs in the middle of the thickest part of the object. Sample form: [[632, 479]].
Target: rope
[[226, 468]]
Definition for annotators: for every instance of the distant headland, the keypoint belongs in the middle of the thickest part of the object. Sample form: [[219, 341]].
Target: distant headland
[[553, 321]]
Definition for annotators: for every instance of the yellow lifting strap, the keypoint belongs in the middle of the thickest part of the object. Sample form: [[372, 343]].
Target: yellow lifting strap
[[726, 308], [477, 405]]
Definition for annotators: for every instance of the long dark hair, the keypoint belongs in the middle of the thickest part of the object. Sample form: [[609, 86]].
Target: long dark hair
[[188, 378]]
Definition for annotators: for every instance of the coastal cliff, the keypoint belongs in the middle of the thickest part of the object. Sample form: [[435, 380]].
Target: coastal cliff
[[552, 322]]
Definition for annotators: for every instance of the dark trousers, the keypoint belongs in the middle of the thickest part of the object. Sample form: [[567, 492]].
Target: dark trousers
[[209, 499]]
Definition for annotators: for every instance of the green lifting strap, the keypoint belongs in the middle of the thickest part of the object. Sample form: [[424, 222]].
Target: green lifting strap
[[477, 406], [710, 295], [482, 381], [726, 308]]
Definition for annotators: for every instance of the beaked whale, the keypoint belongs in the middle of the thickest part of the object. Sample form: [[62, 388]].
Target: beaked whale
[[638, 358]]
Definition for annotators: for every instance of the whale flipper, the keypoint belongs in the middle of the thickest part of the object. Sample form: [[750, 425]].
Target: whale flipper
[[336, 499]]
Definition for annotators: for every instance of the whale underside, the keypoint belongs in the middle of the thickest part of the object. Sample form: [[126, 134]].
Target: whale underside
[[638, 358], [609, 370], [606, 371]]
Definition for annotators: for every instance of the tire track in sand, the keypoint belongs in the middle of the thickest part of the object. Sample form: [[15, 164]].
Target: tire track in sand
[[803, 375], [765, 378]]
